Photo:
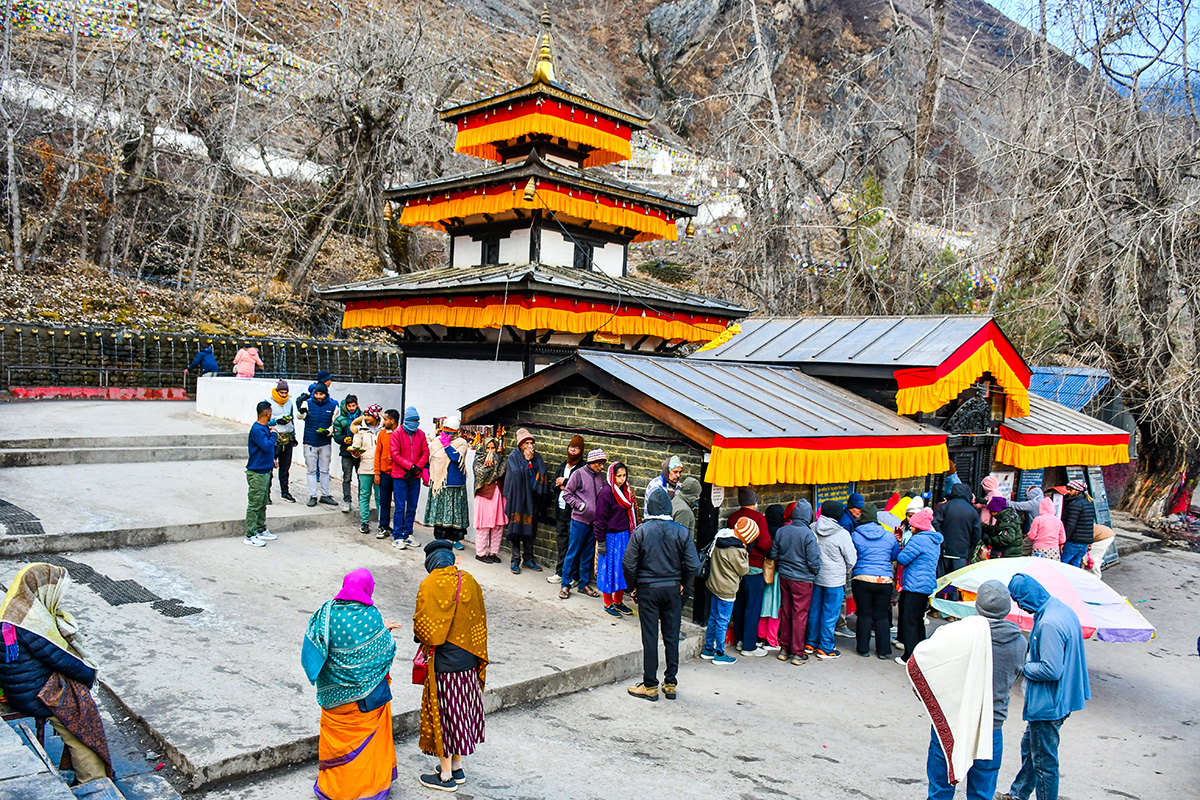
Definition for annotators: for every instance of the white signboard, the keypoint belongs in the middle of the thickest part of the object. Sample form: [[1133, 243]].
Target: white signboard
[[1006, 480], [718, 496]]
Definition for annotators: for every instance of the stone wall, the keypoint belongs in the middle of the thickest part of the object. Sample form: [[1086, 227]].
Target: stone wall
[[83, 356]]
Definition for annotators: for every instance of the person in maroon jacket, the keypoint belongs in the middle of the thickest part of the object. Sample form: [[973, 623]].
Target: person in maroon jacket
[[410, 468], [747, 609]]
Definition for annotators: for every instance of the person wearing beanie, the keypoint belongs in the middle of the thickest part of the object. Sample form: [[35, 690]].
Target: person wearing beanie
[[728, 563], [1079, 522], [747, 609], [582, 493], [1002, 532], [490, 519], [318, 412], [365, 430], [838, 556], [660, 565], [851, 513], [410, 468], [526, 486], [667, 480], [283, 415], [383, 471], [872, 583], [446, 509], [344, 438], [992, 603], [919, 558], [562, 512], [797, 558], [685, 503], [323, 377]]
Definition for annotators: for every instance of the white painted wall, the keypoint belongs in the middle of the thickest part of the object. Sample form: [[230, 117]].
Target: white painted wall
[[466, 252], [610, 259], [515, 248], [556, 249]]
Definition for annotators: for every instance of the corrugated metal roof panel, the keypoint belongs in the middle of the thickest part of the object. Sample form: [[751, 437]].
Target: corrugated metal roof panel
[[754, 400], [894, 342], [1072, 387], [1048, 418]]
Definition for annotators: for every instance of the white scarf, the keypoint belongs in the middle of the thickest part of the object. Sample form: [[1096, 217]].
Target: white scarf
[[952, 674]]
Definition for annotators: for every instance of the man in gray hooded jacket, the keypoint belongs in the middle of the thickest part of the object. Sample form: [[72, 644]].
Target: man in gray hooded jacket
[[797, 562]]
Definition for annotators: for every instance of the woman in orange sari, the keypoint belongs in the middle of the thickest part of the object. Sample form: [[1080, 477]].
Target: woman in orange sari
[[451, 625], [348, 653]]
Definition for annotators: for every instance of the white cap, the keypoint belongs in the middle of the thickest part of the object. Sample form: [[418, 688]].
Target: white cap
[[450, 422], [914, 505]]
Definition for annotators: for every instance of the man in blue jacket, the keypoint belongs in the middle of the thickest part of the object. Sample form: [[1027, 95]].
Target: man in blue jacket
[[205, 362], [261, 444], [1056, 684], [318, 412]]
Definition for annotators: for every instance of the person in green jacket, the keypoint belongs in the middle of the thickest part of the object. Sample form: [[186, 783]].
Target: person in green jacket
[[345, 440], [1003, 532]]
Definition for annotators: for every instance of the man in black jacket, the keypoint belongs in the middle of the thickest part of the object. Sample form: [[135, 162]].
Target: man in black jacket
[[1079, 520], [660, 565], [960, 529]]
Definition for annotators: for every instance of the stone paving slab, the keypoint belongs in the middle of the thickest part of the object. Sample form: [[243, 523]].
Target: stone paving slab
[[97, 419], [222, 689]]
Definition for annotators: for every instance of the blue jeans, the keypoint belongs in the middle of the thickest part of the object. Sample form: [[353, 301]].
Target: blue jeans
[[718, 622], [1073, 553], [404, 497], [576, 548], [749, 610], [823, 616], [1039, 761], [981, 778]]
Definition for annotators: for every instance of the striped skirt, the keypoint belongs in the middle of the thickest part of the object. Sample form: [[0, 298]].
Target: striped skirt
[[460, 705]]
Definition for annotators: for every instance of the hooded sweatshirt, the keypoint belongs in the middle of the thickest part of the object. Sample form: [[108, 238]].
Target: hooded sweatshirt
[[960, 524], [683, 505], [837, 552], [991, 488], [1008, 659], [728, 564], [795, 549], [1056, 677], [204, 361], [244, 361], [1030, 506], [1047, 532]]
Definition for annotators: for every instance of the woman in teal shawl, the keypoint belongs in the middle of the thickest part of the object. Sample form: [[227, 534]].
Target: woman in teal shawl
[[347, 654]]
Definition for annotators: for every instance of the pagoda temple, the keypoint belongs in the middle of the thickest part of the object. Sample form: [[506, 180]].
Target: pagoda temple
[[538, 245]]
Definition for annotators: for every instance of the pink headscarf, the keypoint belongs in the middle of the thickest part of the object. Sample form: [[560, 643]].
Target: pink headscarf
[[992, 487], [358, 586]]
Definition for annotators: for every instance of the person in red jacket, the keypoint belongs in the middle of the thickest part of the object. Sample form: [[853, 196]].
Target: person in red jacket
[[747, 609], [410, 468]]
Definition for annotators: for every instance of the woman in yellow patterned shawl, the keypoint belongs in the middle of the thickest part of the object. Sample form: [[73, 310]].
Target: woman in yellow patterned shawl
[[451, 624]]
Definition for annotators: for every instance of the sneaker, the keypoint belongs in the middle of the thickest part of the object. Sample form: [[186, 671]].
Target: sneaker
[[668, 689], [809, 649], [266, 535], [328, 501], [288, 497], [828, 656], [434, 781], [723, 659], [383, 533], [254, 541], [757, 652], [895, 632], [413, 544], [799, 660], [708, 655], [459, 776], [364, 529], [312, 501], [845, 633], [553, 578], [531, 564], [516, 569], [399, 544], [624, 609], [645, 692], [783, 655], [345, 507], [612, 611], [770, 648], [458, 545], [900, 661]]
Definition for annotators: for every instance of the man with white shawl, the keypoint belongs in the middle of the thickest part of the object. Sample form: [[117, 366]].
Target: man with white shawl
[[963, 674]]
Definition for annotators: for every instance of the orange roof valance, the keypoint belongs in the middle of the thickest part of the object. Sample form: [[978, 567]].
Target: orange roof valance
[[530, 313], [1025, 451], [926, 389], [479, 133], [435, 209], [797, 460]]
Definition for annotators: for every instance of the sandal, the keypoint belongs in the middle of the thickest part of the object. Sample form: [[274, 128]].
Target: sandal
[[564, 593], [589, 591]]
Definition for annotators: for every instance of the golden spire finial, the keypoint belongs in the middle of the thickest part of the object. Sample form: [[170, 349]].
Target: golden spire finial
[[543, 66], [545, 16]]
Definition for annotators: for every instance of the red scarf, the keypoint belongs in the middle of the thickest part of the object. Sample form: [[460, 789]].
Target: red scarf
[[623, 493]]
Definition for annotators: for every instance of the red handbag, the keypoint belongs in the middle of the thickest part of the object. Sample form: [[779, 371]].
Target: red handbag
[[420, 662]]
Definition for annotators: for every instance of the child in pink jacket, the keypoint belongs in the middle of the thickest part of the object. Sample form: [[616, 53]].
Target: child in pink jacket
[[1047, 532], [244, 361]]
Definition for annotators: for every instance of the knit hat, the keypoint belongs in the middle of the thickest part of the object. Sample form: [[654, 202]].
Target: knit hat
[[856, 501], [914, 505], [832, 509], [746, 529], [281, 386], [523, 436], [658, 504], [997, 504], [993, 600], [450, 423], [577, 441], [320, 387], [674, 462], [374, 410], [1077, 485], [869, 514], [323, 376], [747, 497], [922, 520], [596, 455]]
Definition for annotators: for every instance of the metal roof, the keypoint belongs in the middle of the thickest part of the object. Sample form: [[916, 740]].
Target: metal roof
[[555, 91], [1072, 387], [892, 342], [543, 278], [1048, 418]]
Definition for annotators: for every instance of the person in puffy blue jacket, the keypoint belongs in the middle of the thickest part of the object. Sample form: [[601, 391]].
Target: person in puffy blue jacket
[[919, 557], [205, 362], [1056, 684], [872, 583]]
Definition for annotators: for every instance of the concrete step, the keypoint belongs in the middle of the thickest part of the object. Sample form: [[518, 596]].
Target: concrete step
[[85, 442], [64, 456]]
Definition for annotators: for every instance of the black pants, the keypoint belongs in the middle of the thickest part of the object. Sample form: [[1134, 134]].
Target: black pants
[[912, 620], [385, 500], [516, 545], [873, 602], [448, 533], [659, 606], [349, 470], [285, 467], [562, 521]]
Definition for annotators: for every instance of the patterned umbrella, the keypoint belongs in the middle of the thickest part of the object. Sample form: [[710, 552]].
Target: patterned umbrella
[[1102, 612]]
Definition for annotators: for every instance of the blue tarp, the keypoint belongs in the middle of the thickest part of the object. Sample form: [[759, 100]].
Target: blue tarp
[[1073, 387]]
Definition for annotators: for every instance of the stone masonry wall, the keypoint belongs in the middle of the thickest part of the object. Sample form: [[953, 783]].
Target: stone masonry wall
[[68, 356]]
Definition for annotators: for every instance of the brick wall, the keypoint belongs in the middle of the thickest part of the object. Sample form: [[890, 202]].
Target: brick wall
[[67, 356]]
